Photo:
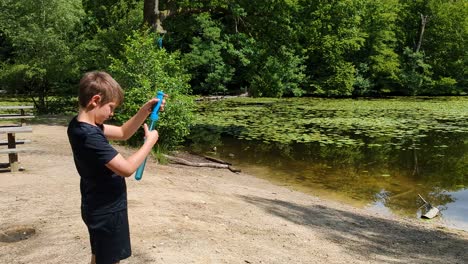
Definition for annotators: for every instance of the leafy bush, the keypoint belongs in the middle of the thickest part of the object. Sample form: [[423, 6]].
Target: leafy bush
[[280, 74], [146, 69], [40, 62], [443, 86], [210, 72], [416, 75]]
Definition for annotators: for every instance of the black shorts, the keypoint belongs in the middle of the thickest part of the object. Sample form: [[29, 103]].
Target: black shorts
[[109, 236]]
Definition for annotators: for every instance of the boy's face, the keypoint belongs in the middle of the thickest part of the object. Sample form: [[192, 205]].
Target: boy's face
[[104, 112]]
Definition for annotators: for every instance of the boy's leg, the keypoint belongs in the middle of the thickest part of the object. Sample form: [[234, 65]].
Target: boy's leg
[[85, 218], [93, 260], [110, 237]]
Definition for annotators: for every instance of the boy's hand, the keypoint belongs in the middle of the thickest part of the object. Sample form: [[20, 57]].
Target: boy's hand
[[152, 102], [150, 136]]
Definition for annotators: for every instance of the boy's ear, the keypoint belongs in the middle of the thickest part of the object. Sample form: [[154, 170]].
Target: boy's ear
[[95, 100]]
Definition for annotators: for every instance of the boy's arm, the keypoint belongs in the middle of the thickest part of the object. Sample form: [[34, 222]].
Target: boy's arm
[[126, 167], [129, 128]]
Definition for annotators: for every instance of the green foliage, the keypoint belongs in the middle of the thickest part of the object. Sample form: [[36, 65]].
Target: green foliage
[[379, 53], [106, 13], [444, 41], [39, 34], [445, 85], [333, 35], [270, 48], [280, 74], [277, 61], [416, 73], [104, 30], [362, 83], [205, 60], [240, 53], [227, 52], [146, 69], [447, 42], [342, 81], [333, 121], [20, 76]]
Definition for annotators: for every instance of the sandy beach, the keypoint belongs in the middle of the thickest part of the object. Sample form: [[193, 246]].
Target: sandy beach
[[181, 214]]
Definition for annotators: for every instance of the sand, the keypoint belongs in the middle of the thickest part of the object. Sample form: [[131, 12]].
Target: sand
[[181, 214]]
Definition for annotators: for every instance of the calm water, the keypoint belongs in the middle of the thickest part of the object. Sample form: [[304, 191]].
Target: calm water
[[384, 173]]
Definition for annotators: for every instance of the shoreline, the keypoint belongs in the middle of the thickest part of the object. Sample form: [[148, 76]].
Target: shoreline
[[179, 214], [341, 198]]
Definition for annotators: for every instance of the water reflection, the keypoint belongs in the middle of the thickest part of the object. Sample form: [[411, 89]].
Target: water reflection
[[384, 174], [456, 212]]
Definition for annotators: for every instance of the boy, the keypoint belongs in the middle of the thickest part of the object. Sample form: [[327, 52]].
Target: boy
[[102, 169]]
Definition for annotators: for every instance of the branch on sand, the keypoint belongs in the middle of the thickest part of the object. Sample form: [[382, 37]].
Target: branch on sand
[[219, 165]]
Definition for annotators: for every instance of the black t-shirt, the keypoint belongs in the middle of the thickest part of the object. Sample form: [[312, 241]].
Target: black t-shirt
[[102, 191]]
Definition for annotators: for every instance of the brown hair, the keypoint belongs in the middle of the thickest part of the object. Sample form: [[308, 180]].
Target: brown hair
[[99, 83]]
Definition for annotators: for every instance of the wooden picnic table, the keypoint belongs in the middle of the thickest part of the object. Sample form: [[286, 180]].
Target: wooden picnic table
[[14, 113], [12, 143], [8, 107], [17, 112]]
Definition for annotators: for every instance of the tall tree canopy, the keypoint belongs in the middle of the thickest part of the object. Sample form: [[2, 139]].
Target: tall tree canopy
[[39, 36], [267, 48]]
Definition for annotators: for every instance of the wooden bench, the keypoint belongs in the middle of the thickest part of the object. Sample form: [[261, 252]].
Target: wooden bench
[[16, 112], [18, 142], [15, 150], [11, 131], [19, 107]]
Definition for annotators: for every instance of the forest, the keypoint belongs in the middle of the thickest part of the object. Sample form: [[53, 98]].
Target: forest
[[263, 48]]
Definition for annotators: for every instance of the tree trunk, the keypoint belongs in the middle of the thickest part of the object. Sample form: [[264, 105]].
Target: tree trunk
[[152, 16], [155, 17], [424, 20]]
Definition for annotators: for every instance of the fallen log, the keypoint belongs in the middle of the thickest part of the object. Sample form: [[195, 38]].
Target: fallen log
[[200, 164], [217, 160]]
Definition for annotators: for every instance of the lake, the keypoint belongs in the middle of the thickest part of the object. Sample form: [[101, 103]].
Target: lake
[[377, 154]]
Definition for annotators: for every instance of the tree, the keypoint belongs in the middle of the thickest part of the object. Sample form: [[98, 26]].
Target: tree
[[106, 13], [379, 61], [41, 57], [424, 21], [152, 16], [277, 61], [438, 30], [144, 69], [332, 34], [415, 76], [210, 73], [103, 30], [447, 46], [227, 43], [280, 74]]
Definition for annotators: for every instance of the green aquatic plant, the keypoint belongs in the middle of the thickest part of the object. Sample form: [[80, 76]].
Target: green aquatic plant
[[339, 122]]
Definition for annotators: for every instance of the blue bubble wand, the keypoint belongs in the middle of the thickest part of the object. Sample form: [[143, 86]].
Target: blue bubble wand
[[153, 119]]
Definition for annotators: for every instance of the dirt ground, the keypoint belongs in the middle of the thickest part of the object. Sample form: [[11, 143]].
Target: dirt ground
[[182, 214]]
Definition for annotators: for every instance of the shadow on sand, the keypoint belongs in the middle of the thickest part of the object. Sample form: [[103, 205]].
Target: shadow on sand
[[371, 237]]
